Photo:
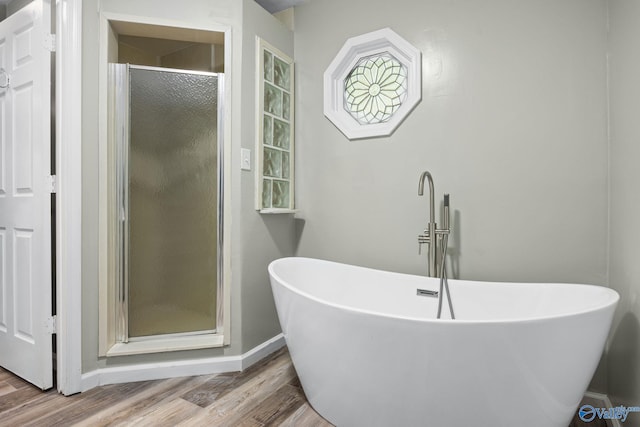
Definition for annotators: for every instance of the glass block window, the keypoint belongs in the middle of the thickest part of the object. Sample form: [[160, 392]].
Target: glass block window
[[375, 89], [275, 142]]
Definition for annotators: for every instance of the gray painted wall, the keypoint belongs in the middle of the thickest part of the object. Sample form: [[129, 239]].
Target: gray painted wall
[[254, 240], [264, 237], [624, 347], [512, 123]]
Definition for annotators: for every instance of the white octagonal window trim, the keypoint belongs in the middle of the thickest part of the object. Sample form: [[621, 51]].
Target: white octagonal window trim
[[372, 84]]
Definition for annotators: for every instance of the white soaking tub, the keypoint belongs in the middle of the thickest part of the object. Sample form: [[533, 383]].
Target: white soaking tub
[[370, 352]]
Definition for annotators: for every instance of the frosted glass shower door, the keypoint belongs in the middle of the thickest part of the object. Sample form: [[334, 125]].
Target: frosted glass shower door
[[171, 202]]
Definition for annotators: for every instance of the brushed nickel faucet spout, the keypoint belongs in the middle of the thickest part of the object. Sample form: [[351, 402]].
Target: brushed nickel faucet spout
[[429, 235], [432, 209]]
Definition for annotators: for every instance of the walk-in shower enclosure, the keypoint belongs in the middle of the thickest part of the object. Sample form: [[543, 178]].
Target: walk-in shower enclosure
[[168, 204]]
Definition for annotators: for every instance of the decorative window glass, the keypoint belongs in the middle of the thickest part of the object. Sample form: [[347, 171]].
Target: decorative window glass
[[275, 137], [375, 89], [372, 84]]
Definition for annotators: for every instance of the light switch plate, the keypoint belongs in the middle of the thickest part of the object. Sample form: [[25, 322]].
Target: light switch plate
[[245, 156]]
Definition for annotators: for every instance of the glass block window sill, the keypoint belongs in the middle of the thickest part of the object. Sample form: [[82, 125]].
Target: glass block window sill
[[278, 211]]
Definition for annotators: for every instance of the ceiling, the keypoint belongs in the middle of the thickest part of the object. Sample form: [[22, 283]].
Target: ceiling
[[274, 6]]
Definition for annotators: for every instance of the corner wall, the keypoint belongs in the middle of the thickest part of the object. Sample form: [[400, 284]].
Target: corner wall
[[264, 237], [623, 362]]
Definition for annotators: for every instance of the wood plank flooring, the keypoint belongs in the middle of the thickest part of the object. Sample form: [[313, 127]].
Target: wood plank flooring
[[266, 394]]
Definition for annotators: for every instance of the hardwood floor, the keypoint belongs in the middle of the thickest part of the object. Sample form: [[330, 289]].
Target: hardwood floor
[[266, 394]]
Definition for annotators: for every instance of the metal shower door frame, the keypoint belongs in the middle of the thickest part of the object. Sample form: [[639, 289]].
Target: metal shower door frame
[[120, 83]]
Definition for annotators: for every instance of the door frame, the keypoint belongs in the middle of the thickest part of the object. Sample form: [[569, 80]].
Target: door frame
[[69, 195], [107, 347]]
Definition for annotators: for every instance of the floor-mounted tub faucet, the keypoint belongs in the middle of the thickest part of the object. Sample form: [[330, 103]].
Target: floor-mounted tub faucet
[[437, 239]]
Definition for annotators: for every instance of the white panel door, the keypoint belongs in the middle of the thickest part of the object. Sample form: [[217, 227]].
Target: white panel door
[[25, 195]]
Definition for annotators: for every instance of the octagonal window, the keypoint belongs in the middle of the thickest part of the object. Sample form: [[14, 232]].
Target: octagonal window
[[372, 84]]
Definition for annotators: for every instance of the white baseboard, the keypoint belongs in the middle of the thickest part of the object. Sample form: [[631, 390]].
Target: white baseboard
[[180, 368], [604, 402]]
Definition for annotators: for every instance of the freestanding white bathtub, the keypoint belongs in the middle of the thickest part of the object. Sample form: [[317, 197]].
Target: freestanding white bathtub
[[370, 352]]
